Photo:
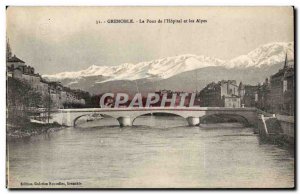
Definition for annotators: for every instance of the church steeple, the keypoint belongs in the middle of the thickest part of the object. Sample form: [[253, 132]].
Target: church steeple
[[285, 61], [8, 50]]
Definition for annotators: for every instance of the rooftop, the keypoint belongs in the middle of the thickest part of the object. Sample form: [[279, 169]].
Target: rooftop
[[15, 59]]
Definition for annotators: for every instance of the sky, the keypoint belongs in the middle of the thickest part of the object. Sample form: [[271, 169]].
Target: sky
[[58, 39]]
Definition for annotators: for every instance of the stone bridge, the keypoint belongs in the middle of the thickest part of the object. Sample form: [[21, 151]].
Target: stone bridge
[[126, 116]]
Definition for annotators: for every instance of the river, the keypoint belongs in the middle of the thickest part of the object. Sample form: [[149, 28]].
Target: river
[[158, 152]]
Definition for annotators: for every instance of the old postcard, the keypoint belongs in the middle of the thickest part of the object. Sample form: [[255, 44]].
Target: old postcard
[[150, 97]]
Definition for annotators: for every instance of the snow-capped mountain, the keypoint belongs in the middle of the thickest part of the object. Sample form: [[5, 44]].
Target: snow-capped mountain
[[156, 69], [184, 72], [265, 55]]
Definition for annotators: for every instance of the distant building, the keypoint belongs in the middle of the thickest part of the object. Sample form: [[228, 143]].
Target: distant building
[[18, 69], [14, 63], [232, 101], [221, 94], [264, 96], [250, 97], [289, 92], [277, 95], [282, 89], [241, 90]]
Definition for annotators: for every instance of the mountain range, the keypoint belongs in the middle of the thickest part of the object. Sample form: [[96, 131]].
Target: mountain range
[[181, 73]]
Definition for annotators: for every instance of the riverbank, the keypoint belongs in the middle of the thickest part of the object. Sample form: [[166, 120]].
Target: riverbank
[[31, 129], [277, 129], [281, 140]]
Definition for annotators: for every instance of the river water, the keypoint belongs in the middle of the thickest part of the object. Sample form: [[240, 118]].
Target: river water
[[158, 152]]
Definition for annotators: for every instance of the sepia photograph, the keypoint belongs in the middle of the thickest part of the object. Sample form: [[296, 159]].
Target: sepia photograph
[[162, 97]]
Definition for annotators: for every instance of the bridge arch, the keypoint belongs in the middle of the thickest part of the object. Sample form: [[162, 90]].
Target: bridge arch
[[158, 112], [77, 117]]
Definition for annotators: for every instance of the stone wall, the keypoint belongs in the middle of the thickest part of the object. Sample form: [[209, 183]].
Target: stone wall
[[287, 124]]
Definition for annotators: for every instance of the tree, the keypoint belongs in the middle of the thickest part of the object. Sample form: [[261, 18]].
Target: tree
[[21, 99]]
